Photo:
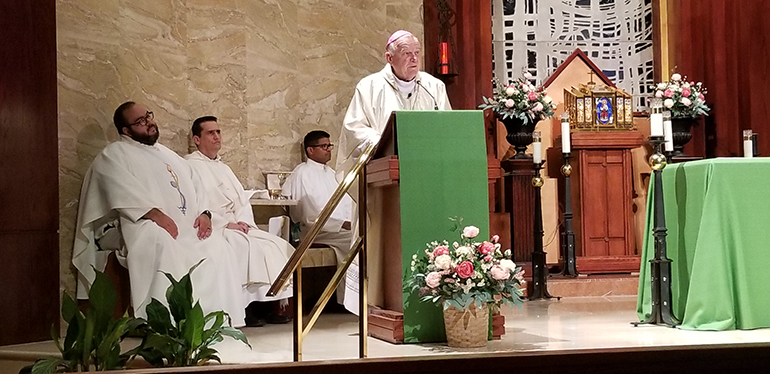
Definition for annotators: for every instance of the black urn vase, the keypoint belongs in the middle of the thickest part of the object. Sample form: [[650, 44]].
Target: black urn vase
[[680, 133], [519, 134]]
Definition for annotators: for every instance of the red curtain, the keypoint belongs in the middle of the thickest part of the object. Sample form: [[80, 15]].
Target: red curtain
[[726, 48]]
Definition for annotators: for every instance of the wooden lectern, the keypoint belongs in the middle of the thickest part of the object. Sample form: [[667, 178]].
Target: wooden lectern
[[429, 166]]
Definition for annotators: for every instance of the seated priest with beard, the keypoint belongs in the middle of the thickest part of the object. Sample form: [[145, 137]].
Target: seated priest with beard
[[153, 201], [231, 215]]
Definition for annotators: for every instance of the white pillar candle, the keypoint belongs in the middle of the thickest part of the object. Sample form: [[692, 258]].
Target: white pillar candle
[[537, 150], [668, 134], [748, 144], [565, 134], [656, 117]]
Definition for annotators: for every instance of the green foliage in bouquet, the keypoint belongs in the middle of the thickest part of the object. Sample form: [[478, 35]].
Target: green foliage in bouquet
[[187, 339], [465, 272]]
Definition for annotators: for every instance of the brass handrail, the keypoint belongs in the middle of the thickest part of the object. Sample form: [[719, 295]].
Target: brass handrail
[[293, 265]]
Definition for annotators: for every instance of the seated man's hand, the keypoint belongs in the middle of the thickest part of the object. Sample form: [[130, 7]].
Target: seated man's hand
[[162, 220], [346, 225], [203, 224], [240, 226]]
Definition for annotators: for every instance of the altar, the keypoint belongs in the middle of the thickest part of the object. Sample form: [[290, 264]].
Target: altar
[[718, 221]]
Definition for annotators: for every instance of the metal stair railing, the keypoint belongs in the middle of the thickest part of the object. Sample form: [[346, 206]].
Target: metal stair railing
[[293, 266]]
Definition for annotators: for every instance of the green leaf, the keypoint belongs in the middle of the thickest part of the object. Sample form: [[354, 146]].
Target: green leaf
[[102, 300], [235, 334], [47, 365], [193, 327], [158, 317], [207, 354]]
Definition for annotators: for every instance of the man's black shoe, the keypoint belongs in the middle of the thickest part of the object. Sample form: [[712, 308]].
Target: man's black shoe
[[252, 321], [277, 319]]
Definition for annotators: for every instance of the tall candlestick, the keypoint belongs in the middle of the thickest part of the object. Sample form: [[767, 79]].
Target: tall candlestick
[[748, 144], [668, 134], [565, 135], [656, 118], [537, 151]]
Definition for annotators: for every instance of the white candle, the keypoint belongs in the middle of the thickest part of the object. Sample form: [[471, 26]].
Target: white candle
[[565, 135], [537, 150], [748, 144], [668, 134], [656, 118]]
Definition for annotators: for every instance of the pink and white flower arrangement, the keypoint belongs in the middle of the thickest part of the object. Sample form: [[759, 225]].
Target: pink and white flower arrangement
[[466, 271], [521, 99], [682, 98]]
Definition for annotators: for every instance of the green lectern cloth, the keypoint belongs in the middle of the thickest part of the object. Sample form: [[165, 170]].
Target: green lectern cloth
[[442, 174], [718, 221]]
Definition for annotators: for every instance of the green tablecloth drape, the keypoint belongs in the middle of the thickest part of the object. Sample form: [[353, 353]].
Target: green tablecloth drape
[[718, 221]]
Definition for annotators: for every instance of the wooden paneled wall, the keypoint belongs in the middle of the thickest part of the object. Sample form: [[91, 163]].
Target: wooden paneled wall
[[29, 209]]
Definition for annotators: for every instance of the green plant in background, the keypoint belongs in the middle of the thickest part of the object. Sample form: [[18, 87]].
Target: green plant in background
[[93, 338], [185, 340]]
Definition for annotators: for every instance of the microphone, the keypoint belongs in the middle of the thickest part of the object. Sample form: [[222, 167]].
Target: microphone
[[409, 96], [435, 103]]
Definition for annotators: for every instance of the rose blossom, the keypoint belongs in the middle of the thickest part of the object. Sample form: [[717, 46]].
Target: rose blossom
[[532, 96], [495, 238], [661, 86], [488, 258], [676, 77], [686, 91], [433, 279], [700, 96], [443, 262], [486, 248], [510, 103], [668, 93], [658, 93], [499, 273], [524, 87], [685, 101], [510, 91], [464, 269], [527, 75], [440, 250], [470, 231], [538, 107], [668, 103], [508, 265]]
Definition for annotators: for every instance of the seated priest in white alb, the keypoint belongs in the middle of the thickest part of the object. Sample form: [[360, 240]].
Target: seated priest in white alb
[[149, 203], [312, 183], [398, 86], [263, 254]]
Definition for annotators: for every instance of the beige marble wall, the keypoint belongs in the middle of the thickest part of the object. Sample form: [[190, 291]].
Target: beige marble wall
[[271, 70]]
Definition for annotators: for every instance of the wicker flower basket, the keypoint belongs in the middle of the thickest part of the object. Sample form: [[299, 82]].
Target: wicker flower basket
[[467, 328]]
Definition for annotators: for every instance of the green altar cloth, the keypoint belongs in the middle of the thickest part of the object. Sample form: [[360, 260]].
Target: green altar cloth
[[442, 174], [718, 221]]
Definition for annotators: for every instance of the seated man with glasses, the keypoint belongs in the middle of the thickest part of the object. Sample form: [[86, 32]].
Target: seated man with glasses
[[150, 202], [312, 183]]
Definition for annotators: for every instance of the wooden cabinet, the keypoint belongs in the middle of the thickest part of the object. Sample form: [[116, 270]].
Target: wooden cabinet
[[603, 199]]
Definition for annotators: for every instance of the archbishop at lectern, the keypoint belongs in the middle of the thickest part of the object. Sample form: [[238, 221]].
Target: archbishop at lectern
[[398, 86]]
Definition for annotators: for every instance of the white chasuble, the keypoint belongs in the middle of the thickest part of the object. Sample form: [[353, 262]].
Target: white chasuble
[[262, 254], [125, 181], [375, 98]]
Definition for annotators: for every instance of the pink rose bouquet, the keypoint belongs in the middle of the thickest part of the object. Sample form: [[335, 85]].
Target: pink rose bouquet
[[465, 272], [682, 98], [519, 98]]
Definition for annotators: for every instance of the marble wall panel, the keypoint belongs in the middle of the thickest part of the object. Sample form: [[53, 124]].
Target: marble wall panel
[[271, 70]]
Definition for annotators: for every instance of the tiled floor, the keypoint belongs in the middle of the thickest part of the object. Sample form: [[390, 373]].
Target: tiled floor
[[571, 323]]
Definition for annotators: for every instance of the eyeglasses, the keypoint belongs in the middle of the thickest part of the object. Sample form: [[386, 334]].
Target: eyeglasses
[[325, 147], [142, 121]]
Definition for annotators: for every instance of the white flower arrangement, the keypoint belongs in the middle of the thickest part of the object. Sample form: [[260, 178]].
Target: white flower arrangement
[[682, 98]]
